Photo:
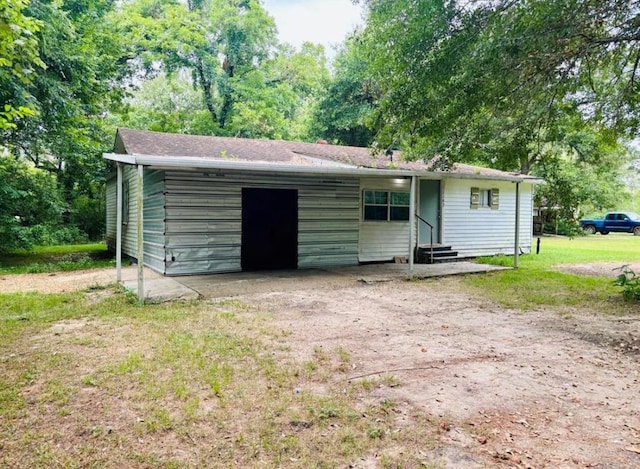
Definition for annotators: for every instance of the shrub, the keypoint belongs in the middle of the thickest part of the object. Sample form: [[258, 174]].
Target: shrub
[[51, 235], [629, 282], [89, 215]]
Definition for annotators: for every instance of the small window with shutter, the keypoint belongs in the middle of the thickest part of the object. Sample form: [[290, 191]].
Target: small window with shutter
[[485, 198]]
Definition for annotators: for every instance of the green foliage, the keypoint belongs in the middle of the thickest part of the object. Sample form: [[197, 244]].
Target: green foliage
[[19, 60], [56, 258], [342, 113], [88, 218], [81, 56], [27, 196], [497, 80], [629, 282], [54, 234], [217, 41]]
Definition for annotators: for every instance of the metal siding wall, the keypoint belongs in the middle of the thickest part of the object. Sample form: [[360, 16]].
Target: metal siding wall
[[383, 240], [483, 231], [130, 229], [111, 213], [203, 227], [154, 244]]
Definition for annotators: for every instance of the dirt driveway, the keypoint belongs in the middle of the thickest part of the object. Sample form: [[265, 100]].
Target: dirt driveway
[[509, 388]]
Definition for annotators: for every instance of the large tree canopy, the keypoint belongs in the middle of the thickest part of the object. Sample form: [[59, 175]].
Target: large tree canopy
[[218, 41], [497, 80]]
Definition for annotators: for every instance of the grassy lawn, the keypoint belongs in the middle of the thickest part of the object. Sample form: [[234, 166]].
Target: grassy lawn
[[537, 284], [92, 380], [57, 258]]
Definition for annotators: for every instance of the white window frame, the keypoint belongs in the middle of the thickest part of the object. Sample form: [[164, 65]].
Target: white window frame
[[389, 205]]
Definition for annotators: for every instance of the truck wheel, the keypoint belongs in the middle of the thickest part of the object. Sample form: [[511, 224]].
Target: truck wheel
[[636, 231], [605, 233], [590, 229]]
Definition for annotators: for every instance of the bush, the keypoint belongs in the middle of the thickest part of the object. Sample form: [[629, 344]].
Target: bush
[[52, 235], [629, 282], [89, 215], [569, 228]]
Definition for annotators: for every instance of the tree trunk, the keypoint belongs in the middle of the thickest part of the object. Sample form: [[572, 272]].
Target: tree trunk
[[205, 83]]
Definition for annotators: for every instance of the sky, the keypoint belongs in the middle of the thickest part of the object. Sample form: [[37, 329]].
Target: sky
[[325, 22]]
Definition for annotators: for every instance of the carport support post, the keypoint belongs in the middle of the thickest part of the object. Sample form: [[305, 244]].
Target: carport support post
[[516, 252], [140, 225], [412, 222], [119, 223]]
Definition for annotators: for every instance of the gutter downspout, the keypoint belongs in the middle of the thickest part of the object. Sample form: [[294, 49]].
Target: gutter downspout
[[412, 222], [140, 224], [516, 253], [119, 223]]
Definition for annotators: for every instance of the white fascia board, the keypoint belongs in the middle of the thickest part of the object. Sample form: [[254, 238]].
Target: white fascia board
[[127, 159], [187, 162]]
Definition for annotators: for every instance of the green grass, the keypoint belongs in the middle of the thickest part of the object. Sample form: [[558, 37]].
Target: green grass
[[158, 384], [584, 249], [537, 283], [57, 258]]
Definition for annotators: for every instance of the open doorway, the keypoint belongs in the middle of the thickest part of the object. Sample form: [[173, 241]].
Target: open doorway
[[269, 229]]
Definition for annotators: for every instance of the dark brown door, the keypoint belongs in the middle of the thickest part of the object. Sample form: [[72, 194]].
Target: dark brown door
[[269, 229]]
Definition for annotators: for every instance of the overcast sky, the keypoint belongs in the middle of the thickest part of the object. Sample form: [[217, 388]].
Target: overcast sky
[[325, 22]]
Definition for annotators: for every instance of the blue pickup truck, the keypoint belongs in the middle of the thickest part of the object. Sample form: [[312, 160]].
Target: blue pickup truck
[[614, 222]]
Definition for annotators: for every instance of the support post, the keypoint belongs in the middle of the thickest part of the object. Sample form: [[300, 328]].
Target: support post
[[516, 253], [119, 187], [412, 222], [140, 225]]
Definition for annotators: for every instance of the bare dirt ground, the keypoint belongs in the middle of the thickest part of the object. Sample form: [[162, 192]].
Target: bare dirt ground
[[65, 282], [554, 389], [511, 388], [604, 269]]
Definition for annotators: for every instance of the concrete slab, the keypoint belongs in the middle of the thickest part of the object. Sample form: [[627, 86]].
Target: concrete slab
[[160, 290], [234, 284]]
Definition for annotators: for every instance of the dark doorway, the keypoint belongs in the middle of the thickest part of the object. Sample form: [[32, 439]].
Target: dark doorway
[[269, 229]]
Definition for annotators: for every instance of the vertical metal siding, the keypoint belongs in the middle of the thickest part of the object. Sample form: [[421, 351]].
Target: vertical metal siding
[[203, 219], [129, 228], [153, 213], [383, 240], [154, 242], [483, 231], [110, 234]]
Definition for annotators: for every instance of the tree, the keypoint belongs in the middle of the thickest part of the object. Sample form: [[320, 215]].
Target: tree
[[495, 80], [219, 42], [342, 114], [69, 96], [19, 61], [276, 99], [28, 196], [167, 104]]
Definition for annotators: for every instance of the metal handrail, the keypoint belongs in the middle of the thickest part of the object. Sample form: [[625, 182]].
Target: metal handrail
[[430, 233]]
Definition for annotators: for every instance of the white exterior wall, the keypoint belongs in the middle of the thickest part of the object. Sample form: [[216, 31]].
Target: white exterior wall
[[485, 231], [383, 240]]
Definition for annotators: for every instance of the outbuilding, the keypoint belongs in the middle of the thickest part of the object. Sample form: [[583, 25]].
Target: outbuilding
[[193, 205]]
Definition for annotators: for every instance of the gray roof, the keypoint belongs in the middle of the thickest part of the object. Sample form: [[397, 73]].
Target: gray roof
[[281, 153]]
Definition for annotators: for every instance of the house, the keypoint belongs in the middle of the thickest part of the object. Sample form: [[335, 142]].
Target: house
[[215, 204]]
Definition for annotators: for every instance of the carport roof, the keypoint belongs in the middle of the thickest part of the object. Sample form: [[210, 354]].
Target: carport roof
[[208, 152]]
